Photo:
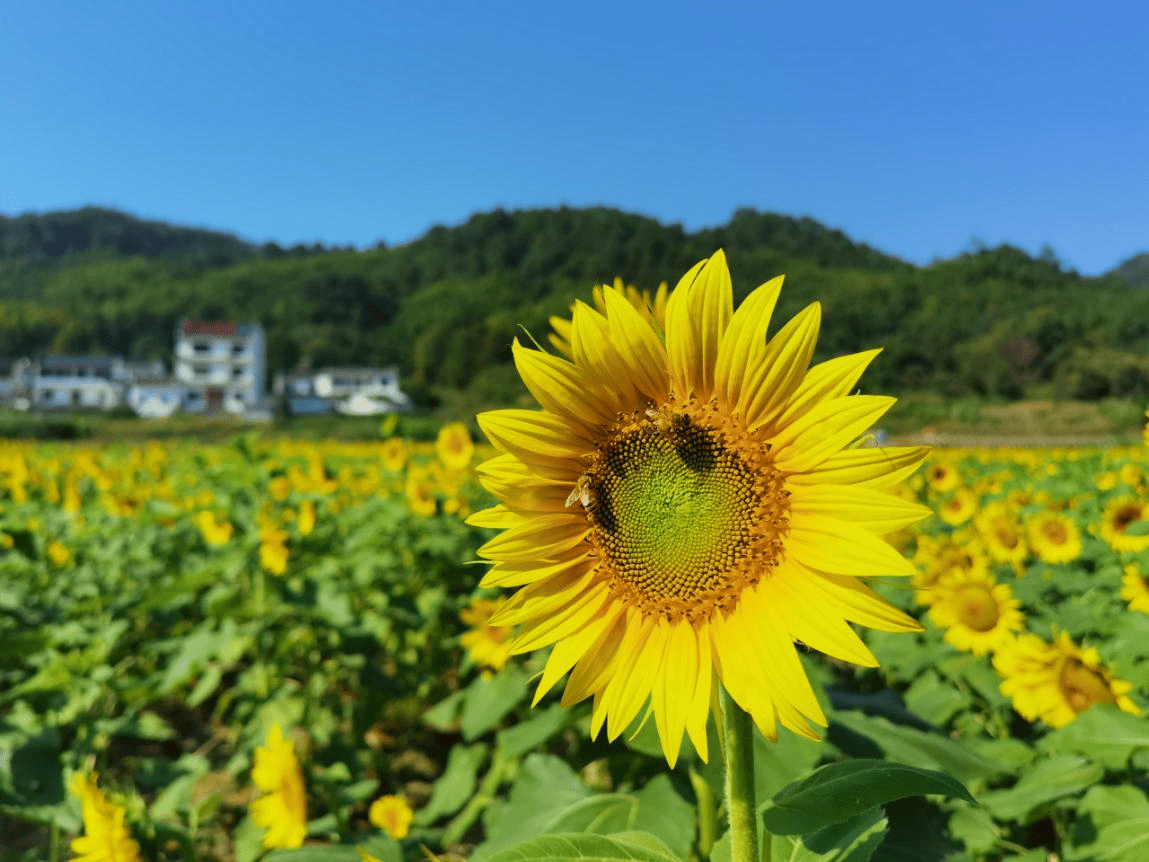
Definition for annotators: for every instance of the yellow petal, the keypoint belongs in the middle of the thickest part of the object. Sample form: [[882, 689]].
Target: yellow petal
[[745, 341], [564, 389], [774, 378], [841, 548], [825, 430], [875, 467], [682, 349], [875, 510], [833, 378]]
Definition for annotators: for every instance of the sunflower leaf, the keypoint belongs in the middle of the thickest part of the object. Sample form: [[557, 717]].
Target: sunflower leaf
[[842, 790]]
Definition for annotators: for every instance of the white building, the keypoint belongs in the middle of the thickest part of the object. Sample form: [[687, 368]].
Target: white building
[[156, 398], [222, 365], [97, 382], [16, 382], [346, 390]]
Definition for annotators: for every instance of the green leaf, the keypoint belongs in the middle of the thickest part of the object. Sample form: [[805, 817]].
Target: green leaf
[[975, 828], [455, 785], [544, 786], [1047, 780], [315, 853], [1102, 733], [915, 747], [487, 701], [580, 848], [842, 790], [526, 735]]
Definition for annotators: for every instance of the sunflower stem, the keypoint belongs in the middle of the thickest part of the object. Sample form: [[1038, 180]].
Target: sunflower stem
[[738, 749]]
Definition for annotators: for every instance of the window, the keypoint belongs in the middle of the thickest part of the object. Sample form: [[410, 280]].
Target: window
[[238, 349], [201, 346]]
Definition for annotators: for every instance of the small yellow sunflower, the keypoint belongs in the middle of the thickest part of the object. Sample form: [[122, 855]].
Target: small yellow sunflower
[[488, 646], [393, 453], [393, 815], [1054, 537], [959, 508], [687, 505], [1135, 589], [281, 808], [938, 556], [1002, 535], [454, 446], [1057, 682], [942, 478], [977, 613], [106, 836], [1119, 516]]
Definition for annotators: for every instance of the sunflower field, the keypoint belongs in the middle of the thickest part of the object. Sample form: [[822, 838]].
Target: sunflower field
[[291, 650]]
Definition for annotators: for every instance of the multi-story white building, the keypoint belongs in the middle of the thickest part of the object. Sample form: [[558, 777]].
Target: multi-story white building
[[222, 365]]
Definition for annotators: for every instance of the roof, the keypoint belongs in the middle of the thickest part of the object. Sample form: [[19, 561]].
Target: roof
[[218, 328], [71, 360]]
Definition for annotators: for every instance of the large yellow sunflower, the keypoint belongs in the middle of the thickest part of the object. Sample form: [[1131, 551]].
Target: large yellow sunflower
[[685, 508], [1057, 682]]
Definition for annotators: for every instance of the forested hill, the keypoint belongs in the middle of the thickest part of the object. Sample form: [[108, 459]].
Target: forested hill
[[446, 306]]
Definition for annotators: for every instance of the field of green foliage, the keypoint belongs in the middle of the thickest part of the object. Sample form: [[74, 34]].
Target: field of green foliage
[[181, 624]]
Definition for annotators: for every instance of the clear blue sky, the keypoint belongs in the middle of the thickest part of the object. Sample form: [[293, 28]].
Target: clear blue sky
[[917, 127]]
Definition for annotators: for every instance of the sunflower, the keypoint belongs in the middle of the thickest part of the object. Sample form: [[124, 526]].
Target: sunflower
[[937, 557], [942, 477], [977, 613], [1057, 682], [106, 836], [1135, 589], [1117, 519], [1054, 537], [1002, 535], [282, 806], [959, 508], [682, 511], [454, 446], [487, 645], [393, 815]]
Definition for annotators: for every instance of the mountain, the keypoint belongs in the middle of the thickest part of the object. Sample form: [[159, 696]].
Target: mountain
[[445, 307], [1134, 272]]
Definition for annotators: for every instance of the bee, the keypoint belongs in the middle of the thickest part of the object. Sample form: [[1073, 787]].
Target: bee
[[583, 492]]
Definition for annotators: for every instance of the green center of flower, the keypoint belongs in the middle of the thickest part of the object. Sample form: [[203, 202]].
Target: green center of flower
[[684, 519]]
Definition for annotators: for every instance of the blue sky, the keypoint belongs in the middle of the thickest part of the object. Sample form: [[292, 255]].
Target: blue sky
[[919, 128]]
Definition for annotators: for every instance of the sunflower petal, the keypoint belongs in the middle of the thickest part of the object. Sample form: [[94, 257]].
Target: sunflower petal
[[779, 372], [744, 341], [826, 429]]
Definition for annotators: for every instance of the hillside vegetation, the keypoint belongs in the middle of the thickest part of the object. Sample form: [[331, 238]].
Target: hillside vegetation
[[445, 307]]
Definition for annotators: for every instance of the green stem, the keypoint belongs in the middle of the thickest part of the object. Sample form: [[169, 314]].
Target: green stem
[[738, 749], [707, 813]]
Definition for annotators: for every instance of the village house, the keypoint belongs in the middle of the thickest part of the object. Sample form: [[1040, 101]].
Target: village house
[[222, 366], [344, 390]]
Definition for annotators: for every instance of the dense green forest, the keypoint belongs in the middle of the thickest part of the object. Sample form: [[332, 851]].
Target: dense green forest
[[445, 307]]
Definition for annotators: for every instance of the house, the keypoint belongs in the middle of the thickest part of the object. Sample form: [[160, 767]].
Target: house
[[157, 397], [62, 381], [15, 382], [222, 366], [345, 390]]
